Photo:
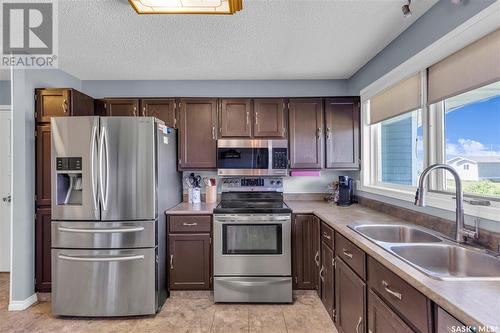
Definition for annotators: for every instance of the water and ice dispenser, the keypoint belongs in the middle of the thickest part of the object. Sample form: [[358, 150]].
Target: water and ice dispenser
[[69, 180]]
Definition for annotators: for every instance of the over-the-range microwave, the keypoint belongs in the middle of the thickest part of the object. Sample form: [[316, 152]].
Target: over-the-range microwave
[[248, 157]]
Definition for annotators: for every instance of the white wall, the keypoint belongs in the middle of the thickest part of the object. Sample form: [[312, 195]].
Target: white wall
[[24, 83]]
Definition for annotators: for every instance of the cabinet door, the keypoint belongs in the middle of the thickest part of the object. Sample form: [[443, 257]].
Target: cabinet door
[[444, 321], [122, 107], [306, 133], [163, 109], [381, 319], [306, 256], [42, 250], [327, 279], [350, 299], [189, 261], [269, 114], [235, 118], [198, 134], [342, 132], [316, 236], [43, 174], [52, 103]]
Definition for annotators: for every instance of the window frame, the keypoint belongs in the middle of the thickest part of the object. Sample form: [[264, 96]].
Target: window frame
[[434, 150]]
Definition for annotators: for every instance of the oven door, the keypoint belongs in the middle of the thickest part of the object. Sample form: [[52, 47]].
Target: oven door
[[252, 245]]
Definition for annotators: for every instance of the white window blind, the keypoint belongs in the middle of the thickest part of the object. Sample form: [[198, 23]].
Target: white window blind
[[396, 100], [473, 66]]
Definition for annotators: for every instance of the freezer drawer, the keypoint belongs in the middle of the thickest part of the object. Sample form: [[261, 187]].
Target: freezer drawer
[[103, 282], [262, 289], [103, 235]]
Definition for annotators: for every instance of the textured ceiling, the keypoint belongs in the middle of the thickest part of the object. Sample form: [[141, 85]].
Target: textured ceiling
[[269, 39]]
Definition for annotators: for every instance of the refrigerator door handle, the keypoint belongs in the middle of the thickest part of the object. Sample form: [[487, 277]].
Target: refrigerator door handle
[[101, 182], [92, 168], [107, 168], [102, 259]]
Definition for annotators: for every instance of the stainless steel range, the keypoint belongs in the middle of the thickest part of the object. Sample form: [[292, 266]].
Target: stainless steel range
[[252, 242]]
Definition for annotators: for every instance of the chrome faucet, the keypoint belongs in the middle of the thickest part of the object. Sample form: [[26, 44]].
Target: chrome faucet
[[461, 232]]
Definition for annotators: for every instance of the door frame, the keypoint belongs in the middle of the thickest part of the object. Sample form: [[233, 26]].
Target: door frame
[[8, 108]]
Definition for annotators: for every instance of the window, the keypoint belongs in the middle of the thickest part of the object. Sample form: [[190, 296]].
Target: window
[[401, 149], [469, 125]]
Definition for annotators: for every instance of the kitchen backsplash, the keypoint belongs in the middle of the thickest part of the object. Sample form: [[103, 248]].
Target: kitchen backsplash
[[303, 184]]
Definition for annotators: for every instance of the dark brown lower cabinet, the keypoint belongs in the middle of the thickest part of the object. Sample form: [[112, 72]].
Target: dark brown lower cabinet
[[305, 239], [43, 278], [327, 275], [350, 300], [189, 262], [381, 319]]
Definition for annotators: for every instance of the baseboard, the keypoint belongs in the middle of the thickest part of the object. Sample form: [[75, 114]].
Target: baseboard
[[23, 305]]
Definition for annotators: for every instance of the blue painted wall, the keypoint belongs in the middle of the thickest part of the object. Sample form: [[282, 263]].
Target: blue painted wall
[[215, 88], [434, 24], [4, 92]]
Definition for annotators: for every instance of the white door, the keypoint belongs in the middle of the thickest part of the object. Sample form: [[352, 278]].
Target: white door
[[5, 190]]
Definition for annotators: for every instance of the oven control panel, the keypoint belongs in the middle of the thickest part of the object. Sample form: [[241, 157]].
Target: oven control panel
[[252, 184]]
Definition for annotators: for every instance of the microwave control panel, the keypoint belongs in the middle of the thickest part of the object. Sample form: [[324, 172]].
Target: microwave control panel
[[280, 158]]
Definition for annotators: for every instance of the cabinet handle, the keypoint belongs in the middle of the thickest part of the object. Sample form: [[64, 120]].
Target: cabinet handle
[[326, 236], [190, 224], [213, 133], [396, 294], [135, 111], [328, 133], [358, 325], [248, 118], [321, 273], [319, 132], [144, 111], [316, 258], [347, 253], [171, 261], [256, 118], [65, 105]]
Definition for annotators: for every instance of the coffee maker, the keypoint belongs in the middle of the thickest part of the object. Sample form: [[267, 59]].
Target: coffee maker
[[345, 191]]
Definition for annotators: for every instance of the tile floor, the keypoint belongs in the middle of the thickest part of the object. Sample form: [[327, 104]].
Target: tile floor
[[181, 313]]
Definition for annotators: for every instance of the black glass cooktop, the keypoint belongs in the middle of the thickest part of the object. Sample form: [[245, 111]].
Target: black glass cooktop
[[252, 203]]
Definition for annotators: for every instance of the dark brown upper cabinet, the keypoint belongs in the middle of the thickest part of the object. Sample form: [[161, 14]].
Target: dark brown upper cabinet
[[342, 132], [350, 299], [61, 102], [269, 118], [43, 279], [198, 134], [124, 107], [43, 165], [306, 133], [236, 118], [305, 239], [163, 109]]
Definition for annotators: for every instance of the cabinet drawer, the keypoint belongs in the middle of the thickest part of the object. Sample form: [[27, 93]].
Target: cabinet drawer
[[327, 235], [403, 298], [189, 223], [351, 254]]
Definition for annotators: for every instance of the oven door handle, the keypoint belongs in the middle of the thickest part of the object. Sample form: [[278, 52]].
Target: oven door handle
[[255, 283], [254, 219]]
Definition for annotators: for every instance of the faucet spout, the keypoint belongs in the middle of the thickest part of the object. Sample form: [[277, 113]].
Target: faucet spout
[[459, 199]]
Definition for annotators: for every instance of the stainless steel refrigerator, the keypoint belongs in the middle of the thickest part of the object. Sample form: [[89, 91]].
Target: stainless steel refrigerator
[[112, 180]]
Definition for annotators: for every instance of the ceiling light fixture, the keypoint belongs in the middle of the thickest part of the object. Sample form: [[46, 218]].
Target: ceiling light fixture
[[187, 6], [406, 9]]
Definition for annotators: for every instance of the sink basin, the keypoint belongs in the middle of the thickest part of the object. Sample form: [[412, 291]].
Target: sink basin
[[395, 233], [449, 261]]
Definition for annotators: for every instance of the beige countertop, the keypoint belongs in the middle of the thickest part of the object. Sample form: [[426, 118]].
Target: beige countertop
[[473, 303], [187, 208]]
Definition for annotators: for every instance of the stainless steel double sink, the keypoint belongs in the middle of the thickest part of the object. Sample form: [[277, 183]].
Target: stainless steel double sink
[[432, 254]]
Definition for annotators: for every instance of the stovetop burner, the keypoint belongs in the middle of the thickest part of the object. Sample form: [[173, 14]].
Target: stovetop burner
[[252, 203]]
